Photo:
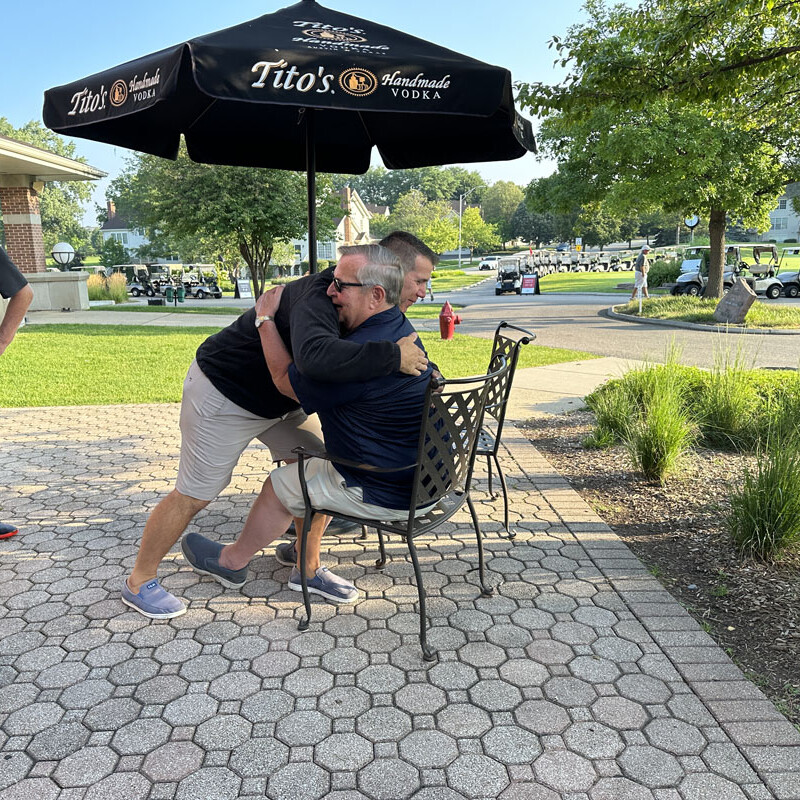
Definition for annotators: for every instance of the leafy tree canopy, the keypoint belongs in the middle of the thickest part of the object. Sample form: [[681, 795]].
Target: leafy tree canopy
[[241, 208], [500, 201]]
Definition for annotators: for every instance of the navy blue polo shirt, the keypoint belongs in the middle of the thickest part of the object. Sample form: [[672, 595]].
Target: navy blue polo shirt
[[376, 421]]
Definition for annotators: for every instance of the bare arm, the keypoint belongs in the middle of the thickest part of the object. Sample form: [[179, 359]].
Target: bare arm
[[275, 353], [15, 313]]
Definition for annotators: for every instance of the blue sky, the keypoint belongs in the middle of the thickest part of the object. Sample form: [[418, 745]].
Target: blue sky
[[51, 42]]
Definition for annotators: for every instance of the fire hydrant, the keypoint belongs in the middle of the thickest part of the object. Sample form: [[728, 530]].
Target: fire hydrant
[[448, 321]]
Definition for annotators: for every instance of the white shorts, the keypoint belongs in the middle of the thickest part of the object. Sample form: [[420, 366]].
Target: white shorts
[[215, 432], [327, 489], [639, 280]]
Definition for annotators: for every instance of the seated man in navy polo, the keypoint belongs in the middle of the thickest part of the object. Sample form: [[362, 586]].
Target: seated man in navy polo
[[374, 422]]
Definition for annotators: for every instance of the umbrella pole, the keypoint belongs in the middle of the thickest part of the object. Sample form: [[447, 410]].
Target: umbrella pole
[[311, 183]]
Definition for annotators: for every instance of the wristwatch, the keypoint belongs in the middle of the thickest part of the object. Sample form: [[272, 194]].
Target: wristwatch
[[263, 318]]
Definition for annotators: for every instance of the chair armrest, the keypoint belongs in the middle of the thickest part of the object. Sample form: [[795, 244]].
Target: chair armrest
[[304, 453]]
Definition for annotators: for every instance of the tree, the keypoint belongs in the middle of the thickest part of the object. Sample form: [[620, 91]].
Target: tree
[[500, 201], [440, 234], [233, 207], [679, 105], [532, 227], [476, 233], [385, 187], [113, 253], [283, 255], [597, 227], [60, 202], [414, 213]]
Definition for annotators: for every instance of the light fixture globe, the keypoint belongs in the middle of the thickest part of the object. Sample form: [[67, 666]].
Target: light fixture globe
[[63, 253]]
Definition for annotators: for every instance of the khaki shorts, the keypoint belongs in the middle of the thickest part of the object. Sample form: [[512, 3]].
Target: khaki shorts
[[327, 489], [639, 280], [215, 432]]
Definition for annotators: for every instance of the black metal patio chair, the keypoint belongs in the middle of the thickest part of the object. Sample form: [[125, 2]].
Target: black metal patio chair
[[452, 416], [506, 345]]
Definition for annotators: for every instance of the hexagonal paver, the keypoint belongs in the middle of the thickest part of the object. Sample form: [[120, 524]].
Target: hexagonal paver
[[420, 698], [477, 776], [564, 771], [593, 740], [303, 728], [223, 732], [380, 678], [33, 719], [173, 762], [643, 689], [259, 757], [299, 781], [343, 751], [542, 717], [344, 701], [573, 633], [675, 736], [140, 737], [192, 709], [619, 789], [482, 654], [495, 695], [129, 785], [428, 749], [59, 741], [509, 744], [383, 724], [389, 779], [620, 713], [86, 767], [650, 766], [234, 686], [569, 692], [112, 714], [217, 782], [524, 672]]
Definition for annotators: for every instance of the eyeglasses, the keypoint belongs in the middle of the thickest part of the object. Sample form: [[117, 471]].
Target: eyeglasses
[[339, 285]]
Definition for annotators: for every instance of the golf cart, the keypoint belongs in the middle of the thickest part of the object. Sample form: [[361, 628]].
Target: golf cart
[[160, 278], [509, 275], [207, 283], [137, 279], [790, 279], [761, 278]]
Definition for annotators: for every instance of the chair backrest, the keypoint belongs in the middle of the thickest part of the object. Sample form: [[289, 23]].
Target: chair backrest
[[449, 434], [506, 344]]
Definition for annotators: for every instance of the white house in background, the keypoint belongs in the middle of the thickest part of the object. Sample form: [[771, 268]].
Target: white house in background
[[351, 228], [116, 227], [785, 220]]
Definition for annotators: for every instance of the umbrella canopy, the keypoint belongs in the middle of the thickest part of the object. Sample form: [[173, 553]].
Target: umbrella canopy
[[304, 88]]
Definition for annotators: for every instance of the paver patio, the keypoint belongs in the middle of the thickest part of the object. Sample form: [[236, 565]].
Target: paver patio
[[581, 678]]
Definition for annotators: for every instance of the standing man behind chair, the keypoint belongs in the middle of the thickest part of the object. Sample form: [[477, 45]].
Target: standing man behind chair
[[14, 286], [640, 269]]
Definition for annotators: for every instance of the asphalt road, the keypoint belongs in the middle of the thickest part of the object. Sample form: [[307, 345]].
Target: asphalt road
[[575, 321]]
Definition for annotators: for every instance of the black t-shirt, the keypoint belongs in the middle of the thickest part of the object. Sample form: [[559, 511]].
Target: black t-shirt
[[11, 279], [309, 326]]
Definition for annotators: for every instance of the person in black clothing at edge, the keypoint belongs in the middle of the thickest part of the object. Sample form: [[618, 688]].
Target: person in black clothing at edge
[[229, 399], [14, 286]]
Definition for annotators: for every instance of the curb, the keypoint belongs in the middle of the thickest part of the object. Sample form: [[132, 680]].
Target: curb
[[693, 326]]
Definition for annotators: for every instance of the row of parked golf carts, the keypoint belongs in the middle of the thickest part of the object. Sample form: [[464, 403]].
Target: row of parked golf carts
[[197, 280], [546, 262], [759, 265]]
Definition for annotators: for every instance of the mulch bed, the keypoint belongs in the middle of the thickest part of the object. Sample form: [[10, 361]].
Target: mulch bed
[[678, 531]]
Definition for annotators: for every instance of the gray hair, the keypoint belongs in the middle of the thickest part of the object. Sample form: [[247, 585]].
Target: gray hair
[[382, 268]]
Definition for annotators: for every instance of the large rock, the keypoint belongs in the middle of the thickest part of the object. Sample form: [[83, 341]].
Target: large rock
[[733, 307]]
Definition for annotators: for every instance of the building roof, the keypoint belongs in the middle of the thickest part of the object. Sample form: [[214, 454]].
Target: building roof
[[373, 209], [116, 223], [20, 158]]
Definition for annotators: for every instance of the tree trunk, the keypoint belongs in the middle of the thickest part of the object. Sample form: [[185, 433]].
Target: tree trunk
[[716, 234], [678, 235]]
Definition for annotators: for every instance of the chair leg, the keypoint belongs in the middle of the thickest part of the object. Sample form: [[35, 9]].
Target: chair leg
[[381, 562], [303, 624], [502, 477], [486, 591], [489, 471], [428, 654], [363, 532]]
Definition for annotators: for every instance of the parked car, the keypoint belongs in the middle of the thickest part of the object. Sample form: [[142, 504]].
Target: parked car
[[562, 247], [488, 262]]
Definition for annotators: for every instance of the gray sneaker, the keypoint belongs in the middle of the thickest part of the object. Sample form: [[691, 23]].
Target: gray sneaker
[[326, 584], [286, 554]]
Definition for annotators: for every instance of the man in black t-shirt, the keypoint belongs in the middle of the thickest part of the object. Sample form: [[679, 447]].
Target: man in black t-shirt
[[14, 286], [229, 399]]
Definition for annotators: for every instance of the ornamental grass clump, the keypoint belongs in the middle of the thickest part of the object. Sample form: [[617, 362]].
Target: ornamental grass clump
[[96, 286], [117, 288], [764, 516], [729, 408], [660, 435]]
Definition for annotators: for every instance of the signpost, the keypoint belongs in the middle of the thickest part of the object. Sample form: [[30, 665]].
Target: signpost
[[245, 289]]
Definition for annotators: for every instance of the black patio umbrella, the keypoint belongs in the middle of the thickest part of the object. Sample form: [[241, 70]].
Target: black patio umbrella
[[305, 88]]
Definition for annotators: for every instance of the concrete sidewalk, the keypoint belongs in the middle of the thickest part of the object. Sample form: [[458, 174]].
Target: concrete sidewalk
[[581, 678]]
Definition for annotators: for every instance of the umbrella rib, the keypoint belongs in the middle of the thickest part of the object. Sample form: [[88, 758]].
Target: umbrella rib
[[202, 114]]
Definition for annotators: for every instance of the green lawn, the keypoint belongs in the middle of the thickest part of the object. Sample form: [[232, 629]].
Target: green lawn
[[586, 282], [448, 279], [66, 365], [701, 310]]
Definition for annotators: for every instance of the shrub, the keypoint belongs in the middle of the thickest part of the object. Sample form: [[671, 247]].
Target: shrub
[[664, 271], [764, 516]]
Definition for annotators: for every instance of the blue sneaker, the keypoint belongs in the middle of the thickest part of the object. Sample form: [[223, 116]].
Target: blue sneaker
[[203, 555], [286, 554], [153, 600], [327, 585]]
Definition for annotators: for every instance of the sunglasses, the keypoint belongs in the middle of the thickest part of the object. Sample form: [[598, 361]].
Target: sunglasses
[[339, 285]]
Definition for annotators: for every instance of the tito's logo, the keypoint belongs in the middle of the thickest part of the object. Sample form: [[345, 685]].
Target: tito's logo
[[326, 35], [118, 94], [358, 82]]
